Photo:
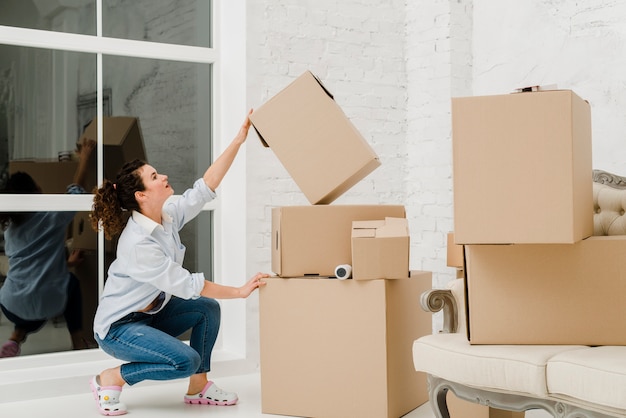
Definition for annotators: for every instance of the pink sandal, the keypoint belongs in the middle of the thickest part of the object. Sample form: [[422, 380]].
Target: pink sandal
[[212, 395], [10, 349], [107, 398]]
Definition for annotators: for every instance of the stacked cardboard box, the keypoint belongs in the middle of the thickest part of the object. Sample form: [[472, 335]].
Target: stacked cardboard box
[[329, 347], [524, 213]]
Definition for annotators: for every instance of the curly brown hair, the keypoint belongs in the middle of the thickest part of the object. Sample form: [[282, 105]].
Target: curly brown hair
[[111, 200]]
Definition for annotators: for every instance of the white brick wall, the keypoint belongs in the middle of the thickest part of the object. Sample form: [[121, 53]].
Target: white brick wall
[[357, 49], [394, 66], [577, 45], [388, 64]]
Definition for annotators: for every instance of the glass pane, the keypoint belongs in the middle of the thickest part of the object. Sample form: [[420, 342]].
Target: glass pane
[[197, 236], [60, 16], [161, 109], [49, 281], [180, 22], [41, 112]]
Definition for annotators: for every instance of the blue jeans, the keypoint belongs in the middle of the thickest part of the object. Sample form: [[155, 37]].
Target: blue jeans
[[149, 343]]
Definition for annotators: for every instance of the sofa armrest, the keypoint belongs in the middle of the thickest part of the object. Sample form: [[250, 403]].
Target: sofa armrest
[[435, 300]]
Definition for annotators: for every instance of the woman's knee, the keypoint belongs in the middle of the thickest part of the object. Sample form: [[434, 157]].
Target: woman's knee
[[210, 306], [188, 362]]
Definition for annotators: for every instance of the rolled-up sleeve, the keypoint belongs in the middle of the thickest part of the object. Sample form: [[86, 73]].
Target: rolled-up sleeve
[[189, 205]]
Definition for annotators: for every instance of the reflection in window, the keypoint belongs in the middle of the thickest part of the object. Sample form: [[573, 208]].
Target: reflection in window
[[172, 102], [78, 16], [49, 280], [181, 22], [48, 97], [38, 113]]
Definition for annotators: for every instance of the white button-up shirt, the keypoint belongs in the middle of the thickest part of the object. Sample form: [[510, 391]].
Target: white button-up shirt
[[149, 261]]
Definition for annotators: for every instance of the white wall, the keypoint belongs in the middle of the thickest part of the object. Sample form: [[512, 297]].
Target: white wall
[[361, 50], [577, 45], [393, 66]]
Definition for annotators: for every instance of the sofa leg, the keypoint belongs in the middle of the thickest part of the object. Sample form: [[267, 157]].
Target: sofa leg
[[438, 391]]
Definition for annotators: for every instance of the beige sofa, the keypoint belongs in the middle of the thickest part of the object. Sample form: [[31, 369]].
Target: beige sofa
[[568, 381]]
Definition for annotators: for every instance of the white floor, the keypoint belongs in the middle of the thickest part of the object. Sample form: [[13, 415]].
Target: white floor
[[56, 385], [163, 400]]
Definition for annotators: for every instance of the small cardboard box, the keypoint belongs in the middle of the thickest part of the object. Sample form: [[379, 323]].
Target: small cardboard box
[[122, 141], [313, 240], [548, 293], [522, 168], [380, 249], [342, 348], [314, 140], [51, 175]]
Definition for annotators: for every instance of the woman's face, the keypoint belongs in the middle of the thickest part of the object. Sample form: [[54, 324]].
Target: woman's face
[[156, 185]]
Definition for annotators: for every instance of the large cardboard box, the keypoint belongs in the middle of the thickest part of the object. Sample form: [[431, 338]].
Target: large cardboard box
[[122, 141], [313, 240], [342, 348], [380, 249], [317, 144], [548, 293], [522, 168], [52, 175]]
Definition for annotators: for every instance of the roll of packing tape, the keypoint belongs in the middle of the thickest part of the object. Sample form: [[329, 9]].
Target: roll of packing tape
[[343, 271]]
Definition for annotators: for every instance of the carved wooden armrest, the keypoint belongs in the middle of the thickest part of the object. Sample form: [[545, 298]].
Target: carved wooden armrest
[[434, 300], [610, 179]]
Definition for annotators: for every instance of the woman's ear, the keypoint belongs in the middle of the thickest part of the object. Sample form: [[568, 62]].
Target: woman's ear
[[140, 197]]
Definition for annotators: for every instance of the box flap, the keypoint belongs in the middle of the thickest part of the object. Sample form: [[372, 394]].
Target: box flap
[[393, 227], [390, 227]]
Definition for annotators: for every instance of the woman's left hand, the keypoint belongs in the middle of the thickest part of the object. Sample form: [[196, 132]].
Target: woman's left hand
[[254, 283]]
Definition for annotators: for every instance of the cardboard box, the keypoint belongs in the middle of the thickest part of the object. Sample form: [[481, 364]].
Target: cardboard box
[[454, 253], [314, 140], [51, 175], [522, 168], [313, 240], [548, 293], [122, 141], [85, 238], [380, 249], [342, 348]]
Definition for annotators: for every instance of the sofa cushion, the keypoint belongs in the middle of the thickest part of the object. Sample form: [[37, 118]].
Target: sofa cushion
[[515, 368], [596, 375], [609, 210]]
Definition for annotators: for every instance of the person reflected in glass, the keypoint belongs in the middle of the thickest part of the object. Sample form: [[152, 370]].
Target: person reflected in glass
[[39, 285], [149, 298]]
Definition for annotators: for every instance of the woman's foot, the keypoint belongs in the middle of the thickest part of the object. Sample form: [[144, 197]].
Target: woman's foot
[[10, 349], [107, 398], [212, 395]]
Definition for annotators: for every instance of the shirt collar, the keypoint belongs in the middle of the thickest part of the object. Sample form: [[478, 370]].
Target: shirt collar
[[148, 224]]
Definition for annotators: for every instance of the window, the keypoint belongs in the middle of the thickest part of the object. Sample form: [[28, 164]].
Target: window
[[160, 62]]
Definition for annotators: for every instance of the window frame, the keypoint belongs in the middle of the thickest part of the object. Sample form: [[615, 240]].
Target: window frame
[[228, 110]]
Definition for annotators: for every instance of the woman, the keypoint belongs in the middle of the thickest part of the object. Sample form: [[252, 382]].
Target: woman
[[39, 285], [149, 298]]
